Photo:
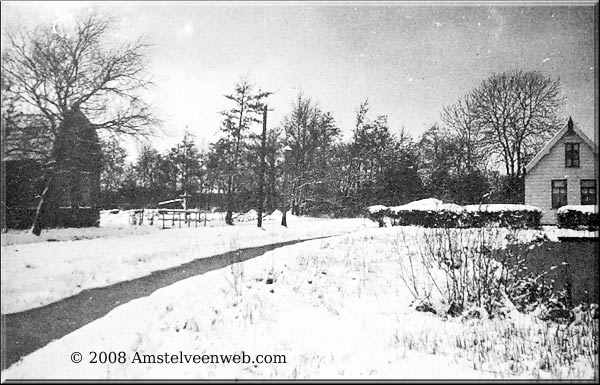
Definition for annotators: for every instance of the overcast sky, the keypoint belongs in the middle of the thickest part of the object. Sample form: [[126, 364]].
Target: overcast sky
[[409, 59]]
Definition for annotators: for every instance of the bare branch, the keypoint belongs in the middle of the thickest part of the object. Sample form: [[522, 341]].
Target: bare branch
[[56, 72]]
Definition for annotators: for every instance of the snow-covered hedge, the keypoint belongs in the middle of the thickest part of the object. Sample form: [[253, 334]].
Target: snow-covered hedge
[[378, 213], [503, 215], [434, 213], [574, 216]]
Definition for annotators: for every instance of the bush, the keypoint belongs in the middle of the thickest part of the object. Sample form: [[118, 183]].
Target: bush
[[573, 217], [378, 213], [510, 215], [434, 213], [427, 218]]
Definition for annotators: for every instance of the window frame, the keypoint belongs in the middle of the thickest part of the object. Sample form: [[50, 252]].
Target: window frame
[[557, 204], [590, 192], [572, 149]]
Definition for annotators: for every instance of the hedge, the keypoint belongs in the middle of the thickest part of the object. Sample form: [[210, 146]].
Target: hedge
[[450, 215], [513, 216], [573, 217]]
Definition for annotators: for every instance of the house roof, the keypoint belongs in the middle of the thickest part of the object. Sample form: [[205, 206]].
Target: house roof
[[569, 127]]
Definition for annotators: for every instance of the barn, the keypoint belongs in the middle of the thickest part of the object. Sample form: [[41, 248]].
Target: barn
[[564, 172]]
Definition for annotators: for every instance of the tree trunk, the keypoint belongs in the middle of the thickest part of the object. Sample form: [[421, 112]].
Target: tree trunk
[[284, 194], [229, 215], [36, 227]]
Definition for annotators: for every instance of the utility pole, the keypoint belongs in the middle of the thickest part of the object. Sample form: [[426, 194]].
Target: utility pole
[[285, 151], [263, 166]]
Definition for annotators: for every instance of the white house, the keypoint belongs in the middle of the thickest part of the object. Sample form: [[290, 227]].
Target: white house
[[564, 172]]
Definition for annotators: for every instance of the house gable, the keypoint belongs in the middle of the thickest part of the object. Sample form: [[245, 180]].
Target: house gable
[[568, 128], [549, 168]]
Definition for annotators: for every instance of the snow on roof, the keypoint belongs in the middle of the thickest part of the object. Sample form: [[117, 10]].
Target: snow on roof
[[588, 209]]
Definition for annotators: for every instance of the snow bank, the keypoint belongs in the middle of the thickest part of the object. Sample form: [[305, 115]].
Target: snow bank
[[110, 218], [276, 215], [250, 215], [554, 233], [69, 267]]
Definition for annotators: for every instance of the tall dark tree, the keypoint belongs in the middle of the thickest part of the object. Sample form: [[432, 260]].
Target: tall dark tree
[[186, 160], [444, 169], [248, 103], [311, 134], [383, 165], [114, 170]]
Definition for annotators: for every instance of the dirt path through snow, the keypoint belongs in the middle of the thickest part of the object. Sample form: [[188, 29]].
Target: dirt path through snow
[[27, 331]]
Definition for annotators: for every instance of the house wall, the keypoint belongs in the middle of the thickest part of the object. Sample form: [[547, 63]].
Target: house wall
[[538, 187]]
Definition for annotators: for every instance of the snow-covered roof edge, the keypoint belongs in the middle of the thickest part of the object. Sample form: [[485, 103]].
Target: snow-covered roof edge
[[546, 149]]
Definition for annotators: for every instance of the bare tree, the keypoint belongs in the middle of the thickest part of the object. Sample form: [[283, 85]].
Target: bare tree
[[54, 71], [461, 121], [68, 72], [517, 112]]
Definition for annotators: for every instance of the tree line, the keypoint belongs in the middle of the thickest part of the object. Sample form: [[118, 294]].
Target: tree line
[[458, 160], [476, 153]]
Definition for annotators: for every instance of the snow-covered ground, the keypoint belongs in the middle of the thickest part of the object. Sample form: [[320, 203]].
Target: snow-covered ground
[[39, 273], [335, 308]]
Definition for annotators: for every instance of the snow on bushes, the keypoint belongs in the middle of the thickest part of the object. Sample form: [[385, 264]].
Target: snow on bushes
[[434, 213], [574, 216], [378, 213], [503, 215]]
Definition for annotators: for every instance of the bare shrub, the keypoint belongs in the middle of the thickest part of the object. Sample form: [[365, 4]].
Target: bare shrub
[[470, 275]]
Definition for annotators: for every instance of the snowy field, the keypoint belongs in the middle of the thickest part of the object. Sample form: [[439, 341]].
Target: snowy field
[[335, 308], [39, 273], [123, 223]]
